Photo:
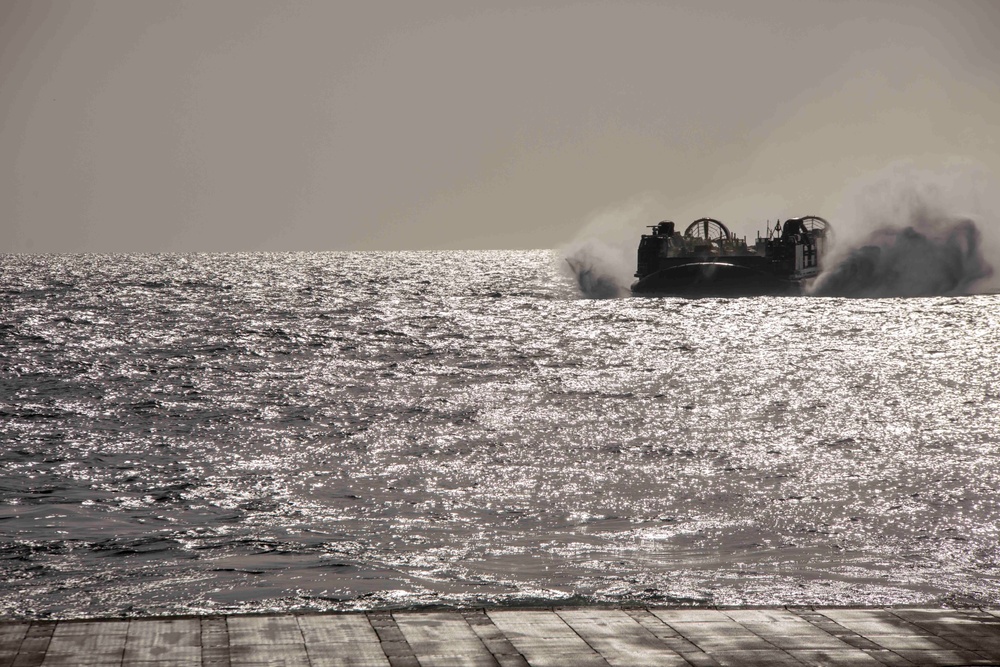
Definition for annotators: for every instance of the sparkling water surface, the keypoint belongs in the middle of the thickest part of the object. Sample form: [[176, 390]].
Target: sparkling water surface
[[258, 432]]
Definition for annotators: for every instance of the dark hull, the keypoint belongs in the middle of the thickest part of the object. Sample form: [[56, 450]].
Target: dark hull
[[716, 279]]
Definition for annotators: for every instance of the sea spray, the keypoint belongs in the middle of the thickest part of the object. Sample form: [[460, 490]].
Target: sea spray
[[602, 257], [595, 271], [912, 232]]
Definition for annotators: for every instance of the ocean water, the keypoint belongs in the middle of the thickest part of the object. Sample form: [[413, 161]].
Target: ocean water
[[260, 432]]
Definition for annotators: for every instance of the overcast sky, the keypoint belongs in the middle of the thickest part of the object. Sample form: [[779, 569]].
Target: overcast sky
[[212, 125]]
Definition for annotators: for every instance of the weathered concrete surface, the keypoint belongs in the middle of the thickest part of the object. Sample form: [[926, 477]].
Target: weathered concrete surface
[[571, 637]]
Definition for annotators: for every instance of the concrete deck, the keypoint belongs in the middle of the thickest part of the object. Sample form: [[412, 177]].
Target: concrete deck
[[572, 637]]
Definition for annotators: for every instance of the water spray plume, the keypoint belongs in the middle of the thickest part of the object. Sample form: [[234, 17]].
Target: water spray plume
[[593, 277], [602, 257], [911, 232]]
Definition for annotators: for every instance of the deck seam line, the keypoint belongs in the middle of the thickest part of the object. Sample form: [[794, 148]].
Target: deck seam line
[[955, 647], [852, 633], [645, 610], [17, 653], [763, 639], [489, 621], [125, 643], [389, 616], [650, 616], [583, 639], [44, 625], [222, 628], [305, 644]]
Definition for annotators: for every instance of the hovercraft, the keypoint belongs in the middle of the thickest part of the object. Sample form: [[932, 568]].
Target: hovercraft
[[708, 260]]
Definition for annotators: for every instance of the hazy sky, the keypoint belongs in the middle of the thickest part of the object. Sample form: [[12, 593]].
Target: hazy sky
[[131, 125]]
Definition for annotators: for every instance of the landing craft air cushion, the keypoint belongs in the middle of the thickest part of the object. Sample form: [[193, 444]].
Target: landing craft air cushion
[[708, 260]]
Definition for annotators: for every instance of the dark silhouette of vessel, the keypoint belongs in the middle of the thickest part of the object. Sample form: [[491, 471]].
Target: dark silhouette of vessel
[[708, 260]]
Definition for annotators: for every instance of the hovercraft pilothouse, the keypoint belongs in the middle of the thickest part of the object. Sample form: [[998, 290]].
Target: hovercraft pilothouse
[[708, 260]]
